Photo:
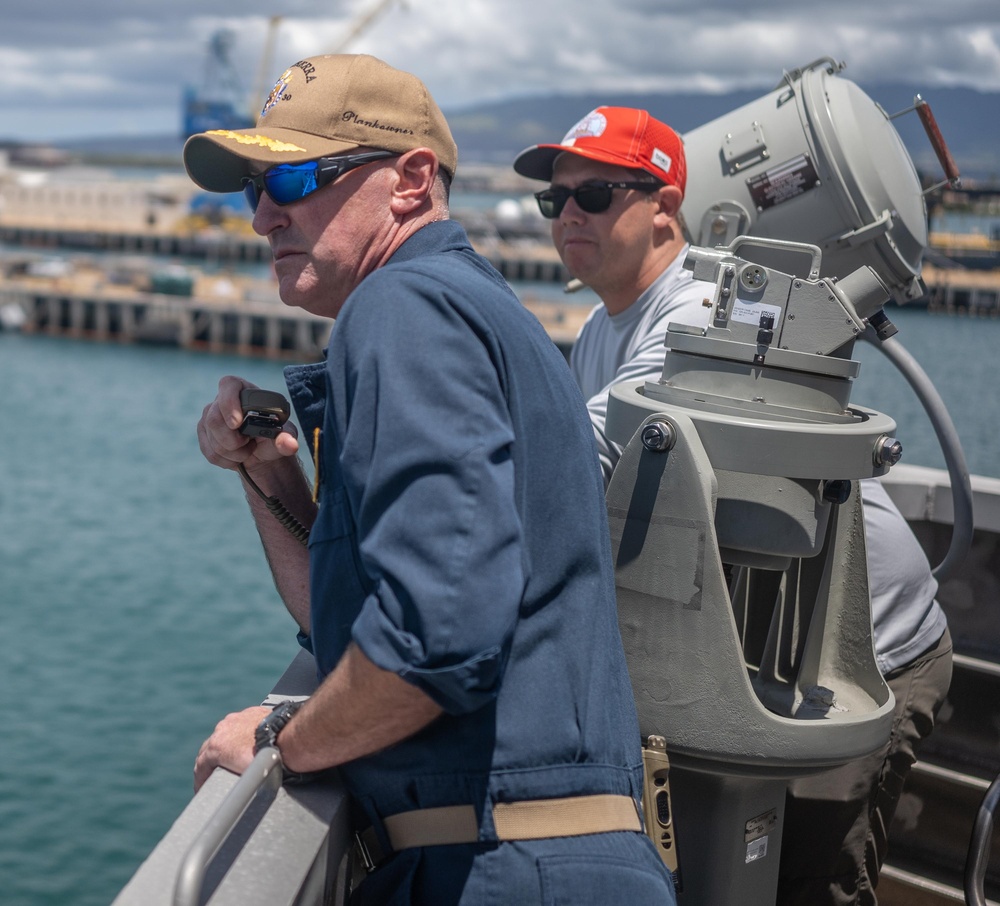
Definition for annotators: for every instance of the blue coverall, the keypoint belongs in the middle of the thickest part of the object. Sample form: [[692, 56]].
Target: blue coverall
[[462, 543]]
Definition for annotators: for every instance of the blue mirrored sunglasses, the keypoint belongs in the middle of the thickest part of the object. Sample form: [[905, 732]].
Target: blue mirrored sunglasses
[[288, 183]]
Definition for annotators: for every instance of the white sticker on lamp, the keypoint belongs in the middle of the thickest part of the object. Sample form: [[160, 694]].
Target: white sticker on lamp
[[750, 312], [756, 849]]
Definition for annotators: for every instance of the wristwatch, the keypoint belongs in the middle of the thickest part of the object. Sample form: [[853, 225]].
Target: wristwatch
[[268, 729]]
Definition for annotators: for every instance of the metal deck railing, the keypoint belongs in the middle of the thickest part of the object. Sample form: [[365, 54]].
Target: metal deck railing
[[249, 840]]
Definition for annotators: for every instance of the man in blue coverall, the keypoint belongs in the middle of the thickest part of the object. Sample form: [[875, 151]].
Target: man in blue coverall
[[457, 590]]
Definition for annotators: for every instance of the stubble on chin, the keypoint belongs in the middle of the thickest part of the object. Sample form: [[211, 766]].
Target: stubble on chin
[[578, 257], [295, 285]]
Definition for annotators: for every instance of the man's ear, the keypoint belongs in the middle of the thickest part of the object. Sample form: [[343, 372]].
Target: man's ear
[[668, 202], [416, 172], [670, 199]]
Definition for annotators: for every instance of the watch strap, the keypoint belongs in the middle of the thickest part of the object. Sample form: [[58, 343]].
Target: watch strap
[[268, 729]]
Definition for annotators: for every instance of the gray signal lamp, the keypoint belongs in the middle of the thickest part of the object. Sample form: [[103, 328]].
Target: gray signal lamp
[[819, 161]]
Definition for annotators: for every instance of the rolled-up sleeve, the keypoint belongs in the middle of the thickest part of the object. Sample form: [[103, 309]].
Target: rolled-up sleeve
[[426, 443]]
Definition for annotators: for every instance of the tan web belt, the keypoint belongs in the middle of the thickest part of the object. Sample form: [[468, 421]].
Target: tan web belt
[[534, 819]]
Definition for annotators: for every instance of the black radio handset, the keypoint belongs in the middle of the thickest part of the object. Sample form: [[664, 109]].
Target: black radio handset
[[264, 414]]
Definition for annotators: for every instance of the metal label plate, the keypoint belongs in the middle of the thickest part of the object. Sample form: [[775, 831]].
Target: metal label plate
[[788, 180], [761, 825]]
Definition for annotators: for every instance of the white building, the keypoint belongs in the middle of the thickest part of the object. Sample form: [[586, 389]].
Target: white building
[[88, 198]]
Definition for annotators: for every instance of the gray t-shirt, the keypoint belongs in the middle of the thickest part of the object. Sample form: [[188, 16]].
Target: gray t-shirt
[[630, 346]]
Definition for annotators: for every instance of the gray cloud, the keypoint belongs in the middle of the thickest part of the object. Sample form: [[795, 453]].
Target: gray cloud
[[73, 69]]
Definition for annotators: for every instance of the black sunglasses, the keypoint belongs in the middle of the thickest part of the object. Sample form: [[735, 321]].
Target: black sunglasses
[[288, 183], [592, 197]]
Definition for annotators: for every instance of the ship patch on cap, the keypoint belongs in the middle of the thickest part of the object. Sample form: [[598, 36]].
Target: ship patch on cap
[[279, 89]]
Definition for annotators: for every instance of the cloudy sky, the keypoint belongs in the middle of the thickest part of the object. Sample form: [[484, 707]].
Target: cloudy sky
[[102, 67]]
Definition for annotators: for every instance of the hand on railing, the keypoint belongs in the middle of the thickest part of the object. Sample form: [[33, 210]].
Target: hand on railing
[[264, 771]]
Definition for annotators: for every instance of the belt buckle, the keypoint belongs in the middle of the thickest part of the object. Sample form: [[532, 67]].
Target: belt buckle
[[367, 862], [369, 849]]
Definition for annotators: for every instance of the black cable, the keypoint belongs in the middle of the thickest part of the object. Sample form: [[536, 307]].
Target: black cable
[[279, 511]]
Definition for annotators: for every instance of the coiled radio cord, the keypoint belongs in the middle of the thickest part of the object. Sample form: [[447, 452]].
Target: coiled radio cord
[[278, 510]]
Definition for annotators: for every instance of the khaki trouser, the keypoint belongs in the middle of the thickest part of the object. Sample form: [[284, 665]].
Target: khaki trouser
[[837, 822]]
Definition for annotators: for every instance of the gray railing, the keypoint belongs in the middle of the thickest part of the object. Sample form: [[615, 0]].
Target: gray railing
[[244, 841], [264, 773], [979, 847]]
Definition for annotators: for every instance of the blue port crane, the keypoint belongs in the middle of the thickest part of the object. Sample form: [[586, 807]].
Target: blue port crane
[[219, 104]]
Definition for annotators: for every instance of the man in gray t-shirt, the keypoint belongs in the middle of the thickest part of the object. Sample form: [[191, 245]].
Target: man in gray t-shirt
[[616, 186]]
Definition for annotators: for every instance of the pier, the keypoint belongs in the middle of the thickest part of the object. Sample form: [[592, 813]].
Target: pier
[[975, 290], [525, 262], [262, 326], [253, 322], [210, 246], [256, 323], [245, 328], [253, 327], [966, 291]]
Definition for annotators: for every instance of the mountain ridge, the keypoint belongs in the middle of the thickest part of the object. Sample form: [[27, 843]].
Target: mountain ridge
[[494, 132]]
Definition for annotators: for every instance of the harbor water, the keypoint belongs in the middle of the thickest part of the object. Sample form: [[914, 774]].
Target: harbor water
[[135, 605]]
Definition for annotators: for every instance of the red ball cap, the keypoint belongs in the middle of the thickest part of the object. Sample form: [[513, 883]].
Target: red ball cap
[[614, 135]]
